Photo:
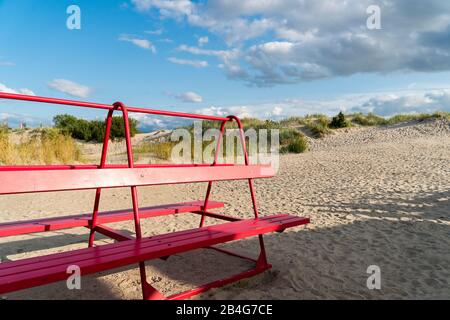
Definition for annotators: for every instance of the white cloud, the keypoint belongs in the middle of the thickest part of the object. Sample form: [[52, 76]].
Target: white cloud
[[417, 101], [149, 123], [313, 39], [191, 97], [141, 43], [166, 7], [228, 59], [71, 88], [202, 41], [382, 103], [156, 32], [146, 121], [7, 64], [4, 88], [194, 63], [239, 111], [206, 52], [15, 119], [188, 97], [166, 40], [277, 111], [27, 92], [276, 47]]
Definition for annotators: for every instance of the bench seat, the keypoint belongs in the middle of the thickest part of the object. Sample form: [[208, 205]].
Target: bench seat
[[83, 220], [31, 272]]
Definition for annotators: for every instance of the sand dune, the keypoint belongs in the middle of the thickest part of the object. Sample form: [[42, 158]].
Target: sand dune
[[376, 196]]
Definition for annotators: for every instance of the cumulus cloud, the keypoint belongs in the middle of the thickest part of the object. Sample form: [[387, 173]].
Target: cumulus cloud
[[194, 63], [202, 41], [240, 111], [150, 123], [141, 43], [71, 88], [167, 8], [228, 58], [289, 41], [14, 120], [383, 103], [406, 102], [156, 32], [4, 88], [188, 97], [277, 111]]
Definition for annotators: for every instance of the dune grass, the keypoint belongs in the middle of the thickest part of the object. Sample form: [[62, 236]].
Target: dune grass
[[161, 150], [319, 124], [372, 119], [291, 139], [44, 146], [52, 146], [5, 146]]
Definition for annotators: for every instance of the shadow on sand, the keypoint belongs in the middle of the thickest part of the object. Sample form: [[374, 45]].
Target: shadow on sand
[[308, 263]]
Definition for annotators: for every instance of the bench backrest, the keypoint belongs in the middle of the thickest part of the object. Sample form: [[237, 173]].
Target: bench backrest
[[13, 182]]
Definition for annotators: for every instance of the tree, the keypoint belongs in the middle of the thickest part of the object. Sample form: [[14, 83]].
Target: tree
[[93, 130]]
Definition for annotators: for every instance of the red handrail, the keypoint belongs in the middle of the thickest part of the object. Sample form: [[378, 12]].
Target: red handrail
[[13, 96]]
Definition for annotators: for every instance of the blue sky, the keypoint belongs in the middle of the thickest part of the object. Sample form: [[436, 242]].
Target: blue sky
[[265, 58]]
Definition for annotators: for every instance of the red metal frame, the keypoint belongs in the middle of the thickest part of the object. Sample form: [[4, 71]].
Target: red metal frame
[[84, 220], [137, 175], [50, 268]]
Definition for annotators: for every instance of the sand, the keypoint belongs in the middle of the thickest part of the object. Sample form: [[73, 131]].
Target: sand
[[375, 196]]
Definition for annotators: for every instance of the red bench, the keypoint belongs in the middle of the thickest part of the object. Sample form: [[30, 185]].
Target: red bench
[[83, 220], [26, 273], [42, 270]]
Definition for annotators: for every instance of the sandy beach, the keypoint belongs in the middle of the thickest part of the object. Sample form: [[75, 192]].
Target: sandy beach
[[375, 196]]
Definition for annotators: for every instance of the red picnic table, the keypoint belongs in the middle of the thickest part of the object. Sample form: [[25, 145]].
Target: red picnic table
[[41, 270]]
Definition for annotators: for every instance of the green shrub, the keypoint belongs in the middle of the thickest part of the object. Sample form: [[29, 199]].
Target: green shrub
[[292, 141], [93, 130], [315, 116], [299, 145], [339, 121]]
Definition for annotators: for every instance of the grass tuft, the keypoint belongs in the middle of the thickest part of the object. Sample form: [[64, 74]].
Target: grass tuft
[[44, 146]]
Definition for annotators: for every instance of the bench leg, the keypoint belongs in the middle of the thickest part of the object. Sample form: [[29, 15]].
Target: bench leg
[[219, 283], [148, 292], [262, 259], [99, 190]]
